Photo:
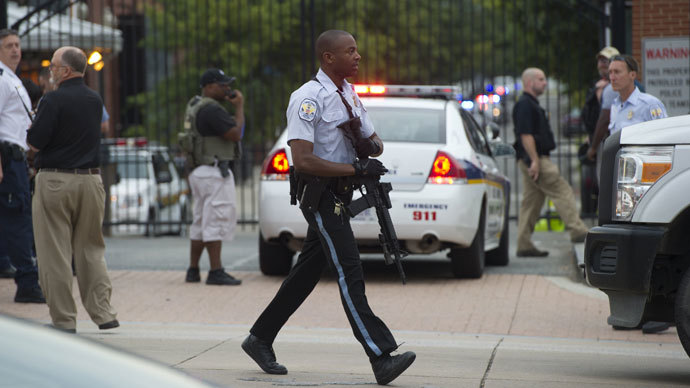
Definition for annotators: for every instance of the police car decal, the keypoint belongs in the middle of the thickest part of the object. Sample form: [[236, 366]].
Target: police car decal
[[307, 110]]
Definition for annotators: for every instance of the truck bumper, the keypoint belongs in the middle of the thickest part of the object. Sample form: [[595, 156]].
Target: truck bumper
[[619, 261]]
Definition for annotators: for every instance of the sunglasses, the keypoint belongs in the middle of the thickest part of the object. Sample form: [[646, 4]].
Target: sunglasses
[[629, 61]]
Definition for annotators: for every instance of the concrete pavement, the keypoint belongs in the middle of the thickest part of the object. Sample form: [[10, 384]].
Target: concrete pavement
[[507, 329]]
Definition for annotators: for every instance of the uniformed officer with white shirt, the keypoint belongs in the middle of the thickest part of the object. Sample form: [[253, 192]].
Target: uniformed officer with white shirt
[[320, 149], [631, 106], [16, 232]]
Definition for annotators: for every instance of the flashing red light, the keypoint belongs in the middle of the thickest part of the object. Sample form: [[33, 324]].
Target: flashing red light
[[500, 90], [445, 170], [129, 141], [361, 89], [377, 89], [276, 165]]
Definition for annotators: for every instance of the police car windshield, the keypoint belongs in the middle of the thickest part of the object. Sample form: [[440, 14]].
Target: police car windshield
[[131, 166], [409, 124]]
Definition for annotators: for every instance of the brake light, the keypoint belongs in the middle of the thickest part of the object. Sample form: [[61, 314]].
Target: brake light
[[276, 166], [446, 170]]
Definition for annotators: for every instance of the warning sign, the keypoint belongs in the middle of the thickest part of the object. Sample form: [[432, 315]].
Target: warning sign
[[666, 63]]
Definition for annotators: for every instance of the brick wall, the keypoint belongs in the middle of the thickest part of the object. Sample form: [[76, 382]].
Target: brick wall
[[658, 18]]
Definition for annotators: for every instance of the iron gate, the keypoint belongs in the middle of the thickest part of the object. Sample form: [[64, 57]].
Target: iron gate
[[152, 53]]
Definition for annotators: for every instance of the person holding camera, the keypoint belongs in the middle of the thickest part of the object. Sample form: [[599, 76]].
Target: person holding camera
[[215, 147], [323, 158]]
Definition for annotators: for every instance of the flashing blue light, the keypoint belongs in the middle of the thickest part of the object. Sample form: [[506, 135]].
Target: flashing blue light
[[489, 88], [467, 105], [507, 90], [458, 97]]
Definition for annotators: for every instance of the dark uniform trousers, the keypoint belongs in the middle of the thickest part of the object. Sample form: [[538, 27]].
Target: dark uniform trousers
[[329, 240], [16, 232]]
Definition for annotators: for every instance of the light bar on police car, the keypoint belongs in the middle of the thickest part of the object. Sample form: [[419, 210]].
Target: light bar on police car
[[448, 91]]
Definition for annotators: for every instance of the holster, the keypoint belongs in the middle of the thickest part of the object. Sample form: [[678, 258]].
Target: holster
[[224, 167]]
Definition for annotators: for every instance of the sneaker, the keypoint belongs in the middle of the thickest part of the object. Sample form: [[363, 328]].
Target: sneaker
[[386, 368], [534, 252], [262, 353], [193, 275], [221, 278], [29, 295]]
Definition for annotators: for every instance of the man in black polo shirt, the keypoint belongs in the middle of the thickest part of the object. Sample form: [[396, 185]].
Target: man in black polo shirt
[[69, 199], [540, 176]]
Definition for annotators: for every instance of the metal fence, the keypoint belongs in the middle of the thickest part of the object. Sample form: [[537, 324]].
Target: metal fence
[[152, 53]]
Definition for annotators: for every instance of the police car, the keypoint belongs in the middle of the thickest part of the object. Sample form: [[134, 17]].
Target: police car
[[147, 194], [448, 192]]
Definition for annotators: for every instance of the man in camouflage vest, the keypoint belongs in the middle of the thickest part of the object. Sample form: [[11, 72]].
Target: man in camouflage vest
[[213, 137]]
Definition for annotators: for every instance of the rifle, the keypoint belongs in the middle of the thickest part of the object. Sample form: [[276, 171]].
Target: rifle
[[376, 196]]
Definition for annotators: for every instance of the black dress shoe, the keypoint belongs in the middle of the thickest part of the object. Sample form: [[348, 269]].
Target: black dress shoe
[[532, 253], [652, 327], [193, 275], [8, 273], [109, 325], [387, 368], [29, 295], [262, 352]]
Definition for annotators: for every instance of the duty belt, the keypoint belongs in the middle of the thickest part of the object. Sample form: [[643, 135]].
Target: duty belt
[[79, 171]]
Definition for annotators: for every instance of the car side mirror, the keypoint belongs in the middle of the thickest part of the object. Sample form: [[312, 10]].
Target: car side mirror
[[494, 129], [499, 148]]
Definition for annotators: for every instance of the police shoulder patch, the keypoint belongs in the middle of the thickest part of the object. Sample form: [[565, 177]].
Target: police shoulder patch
[[307, 109]]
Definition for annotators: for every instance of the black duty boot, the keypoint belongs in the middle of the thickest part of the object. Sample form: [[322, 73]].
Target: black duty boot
[[193, 275], [29, 295], [262, 352], [221, 278], [387, 368]]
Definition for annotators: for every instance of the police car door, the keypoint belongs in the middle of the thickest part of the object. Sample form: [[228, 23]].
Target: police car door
[[490, 179]]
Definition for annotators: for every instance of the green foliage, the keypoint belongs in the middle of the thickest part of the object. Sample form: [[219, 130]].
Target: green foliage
[[268, 46]]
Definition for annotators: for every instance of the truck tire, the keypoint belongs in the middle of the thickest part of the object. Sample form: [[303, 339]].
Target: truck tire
[[469, 262], [683, 311], [274, 258]]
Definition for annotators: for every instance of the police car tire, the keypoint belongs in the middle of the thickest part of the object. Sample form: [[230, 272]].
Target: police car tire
[[469, 262], [501, 255], [682, 311], [275, 259]]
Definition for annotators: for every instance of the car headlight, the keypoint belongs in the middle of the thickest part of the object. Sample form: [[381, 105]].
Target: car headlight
[[638, 169]]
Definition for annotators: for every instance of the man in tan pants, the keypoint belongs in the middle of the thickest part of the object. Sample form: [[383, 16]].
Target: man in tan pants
[[69, 198], [541, 178]]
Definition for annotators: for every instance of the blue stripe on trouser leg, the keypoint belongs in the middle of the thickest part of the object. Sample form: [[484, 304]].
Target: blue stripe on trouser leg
[[343, 287]]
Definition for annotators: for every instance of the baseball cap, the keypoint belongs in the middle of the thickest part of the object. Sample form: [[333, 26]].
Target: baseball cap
[[607, 52], [215, 76]]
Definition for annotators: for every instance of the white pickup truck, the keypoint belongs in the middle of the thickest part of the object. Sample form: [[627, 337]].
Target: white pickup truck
[[639, 254]]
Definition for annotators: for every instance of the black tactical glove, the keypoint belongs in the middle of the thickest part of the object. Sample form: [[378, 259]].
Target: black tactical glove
[[369, 167], [366, 147]]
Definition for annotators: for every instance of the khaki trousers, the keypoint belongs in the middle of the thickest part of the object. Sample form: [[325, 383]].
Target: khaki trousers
[[550, 184], [67, 219]]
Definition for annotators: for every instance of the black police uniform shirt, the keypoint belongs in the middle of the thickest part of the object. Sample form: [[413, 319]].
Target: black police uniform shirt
[[529, 118], [213, 120], [67, 128]]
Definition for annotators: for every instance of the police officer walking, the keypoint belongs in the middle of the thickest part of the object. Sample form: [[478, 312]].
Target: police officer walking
[[631, 106], [214, 137], [322, 152], [16, 233]]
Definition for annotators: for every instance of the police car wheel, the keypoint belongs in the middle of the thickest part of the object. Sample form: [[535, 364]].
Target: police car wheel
[[274, 258], [500, 256], [469, 262], [683, 311]]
